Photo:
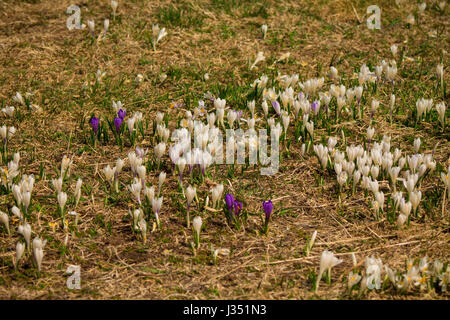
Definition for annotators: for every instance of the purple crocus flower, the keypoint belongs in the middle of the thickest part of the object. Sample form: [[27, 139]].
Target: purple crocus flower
[[238, 115], [229, 200], [237, 207], [121, 114], [315, 107], [268, 208], [118, 123], [276, 106], [94, 123], [301, 95], [140, 152]]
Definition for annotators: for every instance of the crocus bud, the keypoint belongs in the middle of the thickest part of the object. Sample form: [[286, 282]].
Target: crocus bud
[[161, 179], [114, 5], [38, 251], [105, 27], [95, 123], [416, 145], [91, 26], [142, 224], [264, 30], [20, 248], [62, 199], [229, 200], [156, 206], [25, 230], [4, 219], [191, 192], [197, 225], [77, 192]]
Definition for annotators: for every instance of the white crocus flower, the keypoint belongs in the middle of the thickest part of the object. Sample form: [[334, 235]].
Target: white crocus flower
[[181, 163], [440, 108], [160, 149], [446, 179], [191, 193], [401, 219], [19, 99], [342, 179], [259, 57], [4, 219], [265, 108], [76, 215], [197, 226], [370, 133], [353, 279], [374, 268], [57, 184], [141, 171], [77, 192], [264, 30], [327, 261], [20, 248], [66, 163], [422, 6], [415, 197], [231, 117], [149, 193], [158, 34], [310, 243], [139, 78], [114, 5], [137, 215], [286, 119], [310, 128], [26, 199], [142, 224], [109, 173], [416, 145], [161, 179], [161, 34], [394, 50], [410, 19], [405, 207], [17, 193], [9, 111], [156, 206], [216, 194], [135, 189], [62, 199], [440, 73], [105, 27], [25, 231], [334, 73], [38, 251], [221, 251], [16, 211]]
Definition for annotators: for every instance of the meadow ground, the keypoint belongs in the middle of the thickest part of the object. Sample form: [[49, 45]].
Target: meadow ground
[[38, 54]]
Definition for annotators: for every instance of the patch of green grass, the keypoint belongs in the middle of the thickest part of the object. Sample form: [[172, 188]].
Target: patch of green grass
[[259, 10], [226, 31], [183, 16], [247, 8]]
